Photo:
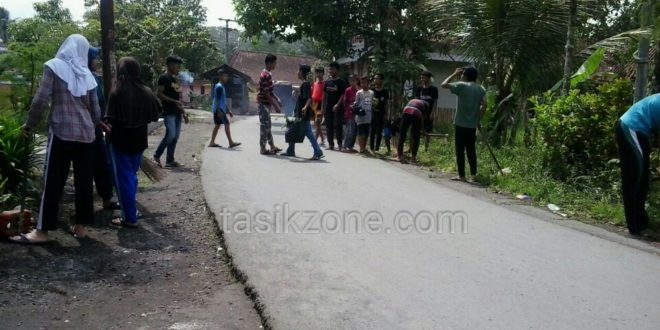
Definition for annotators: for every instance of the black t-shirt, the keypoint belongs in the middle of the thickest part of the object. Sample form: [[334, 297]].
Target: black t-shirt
[[380, 101], [128, 140], [172, 89], [428, 94], [334, 89], [304, 94]]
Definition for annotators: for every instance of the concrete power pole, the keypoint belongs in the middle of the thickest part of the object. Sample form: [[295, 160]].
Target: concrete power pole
[[642, 56], [227, 54], [108, 43]]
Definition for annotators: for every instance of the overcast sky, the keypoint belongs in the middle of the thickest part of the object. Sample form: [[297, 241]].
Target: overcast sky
[[23, 9]]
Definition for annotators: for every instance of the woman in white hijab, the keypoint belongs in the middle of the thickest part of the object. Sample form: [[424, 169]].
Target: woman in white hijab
[[69, 87]]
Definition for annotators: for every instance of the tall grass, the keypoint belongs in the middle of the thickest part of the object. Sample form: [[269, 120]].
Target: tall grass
[[581, 198]]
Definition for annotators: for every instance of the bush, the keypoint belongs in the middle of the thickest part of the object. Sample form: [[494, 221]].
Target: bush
[[16, 155], [577, 133]]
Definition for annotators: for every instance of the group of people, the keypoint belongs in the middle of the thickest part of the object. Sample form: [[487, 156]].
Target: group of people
[[359, 111], [104, 136], [79, 116]]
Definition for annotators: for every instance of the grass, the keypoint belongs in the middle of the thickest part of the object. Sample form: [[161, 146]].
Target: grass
[[528, 176]]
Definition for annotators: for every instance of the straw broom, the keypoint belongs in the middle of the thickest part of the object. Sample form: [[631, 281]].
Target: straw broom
[[152, 170]]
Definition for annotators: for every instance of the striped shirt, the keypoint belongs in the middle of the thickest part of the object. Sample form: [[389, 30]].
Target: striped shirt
[[265, 87], [71, 118], [416, 107]]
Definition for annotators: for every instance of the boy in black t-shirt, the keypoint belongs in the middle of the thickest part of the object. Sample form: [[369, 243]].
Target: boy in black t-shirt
[[333, 113], [169, 93], [379, 112], [428, 93]]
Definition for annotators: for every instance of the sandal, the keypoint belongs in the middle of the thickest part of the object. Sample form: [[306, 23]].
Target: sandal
[[121, 223], [23, 239], [234, 145], [111, 205], [72, 231], [215, 145]]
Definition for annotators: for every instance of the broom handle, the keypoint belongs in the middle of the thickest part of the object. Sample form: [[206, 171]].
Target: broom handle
[[26, 167], [490, 150]]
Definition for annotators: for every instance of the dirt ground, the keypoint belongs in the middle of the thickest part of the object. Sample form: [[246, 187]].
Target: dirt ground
[[171, 273]]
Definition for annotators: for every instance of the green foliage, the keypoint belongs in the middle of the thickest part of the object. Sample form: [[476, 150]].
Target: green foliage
[[333, 24], [577, 131], [52, 11], [17, 160], [150, 30], [4, 22]]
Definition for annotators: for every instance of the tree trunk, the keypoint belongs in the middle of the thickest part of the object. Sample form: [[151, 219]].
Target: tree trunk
[[108, 43], [572, 14], [656, 70], [641, 77]]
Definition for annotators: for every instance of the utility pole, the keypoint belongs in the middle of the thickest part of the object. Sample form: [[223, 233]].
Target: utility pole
[[642, 55], [227, 20], [108, 43]]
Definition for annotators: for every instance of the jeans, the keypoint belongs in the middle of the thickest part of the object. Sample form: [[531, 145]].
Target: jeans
[[466, 139], [309, 133], [172, 132], [377, 125], [333, 127], [125, 168], [413, 123], [102, 167], [350, 132], [634, 156]]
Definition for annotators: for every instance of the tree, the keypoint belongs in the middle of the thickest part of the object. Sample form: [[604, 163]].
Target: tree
[[52, 11], [572, 17], [4, 22], [32, 42], [150, 30], [519, 42], [397, 31]]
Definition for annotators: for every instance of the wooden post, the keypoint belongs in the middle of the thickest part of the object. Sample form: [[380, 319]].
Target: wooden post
[[108, 43]]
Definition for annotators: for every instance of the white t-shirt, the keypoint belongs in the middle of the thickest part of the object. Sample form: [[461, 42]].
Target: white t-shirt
[[364, 99]]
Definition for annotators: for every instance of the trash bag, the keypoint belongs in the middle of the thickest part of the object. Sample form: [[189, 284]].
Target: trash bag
[[295, 131]]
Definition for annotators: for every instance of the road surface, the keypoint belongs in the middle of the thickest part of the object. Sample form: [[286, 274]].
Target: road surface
[[359, 250]]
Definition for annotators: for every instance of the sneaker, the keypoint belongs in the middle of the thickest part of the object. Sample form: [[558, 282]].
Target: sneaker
[[173, 164], [157, 161], [287, 154], [317, 157]]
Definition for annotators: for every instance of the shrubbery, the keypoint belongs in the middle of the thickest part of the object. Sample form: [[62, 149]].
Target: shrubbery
[[577, 133], [16, 155]]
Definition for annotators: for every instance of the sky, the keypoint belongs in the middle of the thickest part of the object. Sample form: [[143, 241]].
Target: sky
[[23, 9]]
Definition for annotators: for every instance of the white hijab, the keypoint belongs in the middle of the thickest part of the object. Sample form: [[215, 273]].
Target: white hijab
[[70, 64]]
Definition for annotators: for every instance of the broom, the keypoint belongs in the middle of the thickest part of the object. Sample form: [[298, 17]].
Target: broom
[[152, 170]]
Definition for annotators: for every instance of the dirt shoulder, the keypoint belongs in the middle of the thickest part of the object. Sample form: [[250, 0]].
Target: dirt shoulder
[[171, 273]]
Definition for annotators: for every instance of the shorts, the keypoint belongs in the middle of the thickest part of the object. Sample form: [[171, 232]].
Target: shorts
[[363, 129], [220, 118]]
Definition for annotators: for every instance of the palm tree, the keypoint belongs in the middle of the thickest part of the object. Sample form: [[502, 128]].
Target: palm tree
[[520, 41]]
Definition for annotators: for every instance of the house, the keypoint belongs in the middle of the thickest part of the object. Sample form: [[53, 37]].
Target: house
[[237, 87]]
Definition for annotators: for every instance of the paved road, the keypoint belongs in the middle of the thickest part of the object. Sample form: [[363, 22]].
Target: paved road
[[508, 271]]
